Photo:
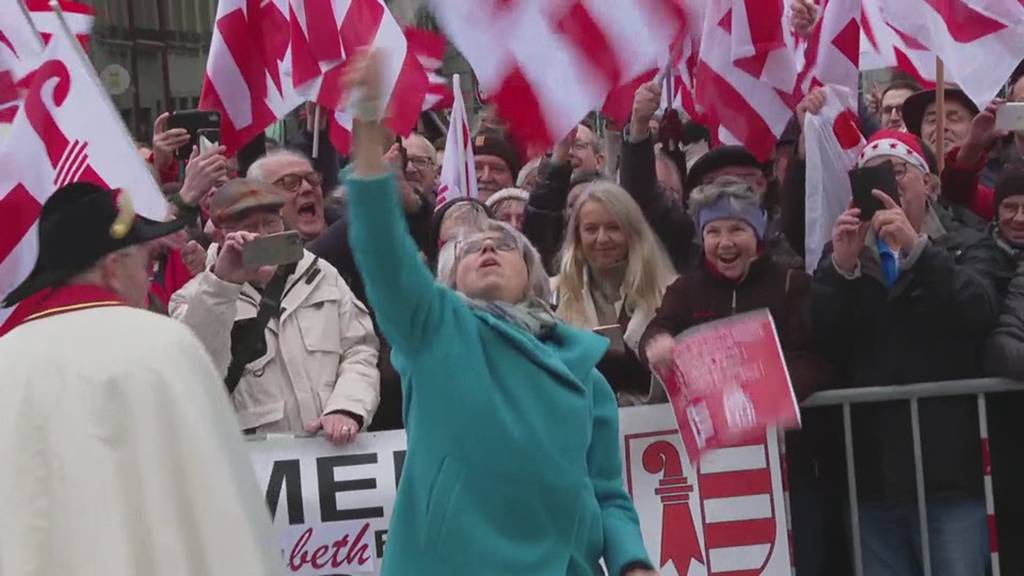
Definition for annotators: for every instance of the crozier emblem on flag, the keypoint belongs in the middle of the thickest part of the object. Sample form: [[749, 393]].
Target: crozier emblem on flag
[[66, 131], [722, 515]]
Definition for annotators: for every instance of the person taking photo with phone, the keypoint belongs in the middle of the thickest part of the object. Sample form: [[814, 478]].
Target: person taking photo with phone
[[897, 299], [296, 349]]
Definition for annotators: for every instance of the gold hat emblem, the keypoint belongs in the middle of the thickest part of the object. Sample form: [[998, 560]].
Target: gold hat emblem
[[125, 216]]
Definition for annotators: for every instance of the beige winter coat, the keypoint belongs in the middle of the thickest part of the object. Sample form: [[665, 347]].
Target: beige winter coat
[[321, 352]]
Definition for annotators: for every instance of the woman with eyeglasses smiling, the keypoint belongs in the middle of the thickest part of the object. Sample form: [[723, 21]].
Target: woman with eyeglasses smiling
[[513, 464]]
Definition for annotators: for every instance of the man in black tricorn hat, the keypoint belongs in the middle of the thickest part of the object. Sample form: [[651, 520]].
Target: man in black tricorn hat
[[121, 454]]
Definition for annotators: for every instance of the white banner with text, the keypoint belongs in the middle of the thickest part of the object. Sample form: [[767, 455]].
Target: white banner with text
[[331, 505]]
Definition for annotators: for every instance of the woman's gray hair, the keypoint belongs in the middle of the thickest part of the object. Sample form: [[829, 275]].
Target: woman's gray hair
[[739, 192], [538, 283]]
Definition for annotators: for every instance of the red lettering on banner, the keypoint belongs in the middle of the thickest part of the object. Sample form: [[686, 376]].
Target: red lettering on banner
[[342, 552]]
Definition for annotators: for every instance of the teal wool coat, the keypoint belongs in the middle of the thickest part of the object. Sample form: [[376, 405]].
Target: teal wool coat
[[513, 466]]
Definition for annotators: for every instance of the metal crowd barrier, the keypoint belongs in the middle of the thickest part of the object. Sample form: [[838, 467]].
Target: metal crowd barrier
[[913, 393]]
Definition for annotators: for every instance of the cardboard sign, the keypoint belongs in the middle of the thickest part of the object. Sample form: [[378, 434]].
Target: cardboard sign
[[331, 505], [729, 382]]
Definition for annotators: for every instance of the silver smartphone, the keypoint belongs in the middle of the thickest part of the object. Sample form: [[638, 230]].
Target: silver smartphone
[[1010, 117], [272, 250]]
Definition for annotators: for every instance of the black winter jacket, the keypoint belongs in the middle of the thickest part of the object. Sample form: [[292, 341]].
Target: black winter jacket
[[928, 327]]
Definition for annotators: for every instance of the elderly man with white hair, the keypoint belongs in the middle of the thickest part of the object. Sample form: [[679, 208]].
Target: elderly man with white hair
[[293, 174]]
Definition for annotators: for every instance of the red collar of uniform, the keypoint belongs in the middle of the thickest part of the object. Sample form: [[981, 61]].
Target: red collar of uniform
[[54, 301]]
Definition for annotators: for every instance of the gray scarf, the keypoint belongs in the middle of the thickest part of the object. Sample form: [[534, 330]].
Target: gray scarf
[[532, 315]]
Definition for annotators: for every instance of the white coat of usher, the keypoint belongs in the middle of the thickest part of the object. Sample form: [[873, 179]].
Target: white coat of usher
[[121, 454]]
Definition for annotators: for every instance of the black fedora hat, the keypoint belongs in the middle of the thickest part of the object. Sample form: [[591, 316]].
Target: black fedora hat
[[916, 104], [719, 158], [79, 224]]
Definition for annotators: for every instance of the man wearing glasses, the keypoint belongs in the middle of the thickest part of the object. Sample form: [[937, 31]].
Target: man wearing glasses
[[586, 154], [305, 358], [421, 170], [293, 174]]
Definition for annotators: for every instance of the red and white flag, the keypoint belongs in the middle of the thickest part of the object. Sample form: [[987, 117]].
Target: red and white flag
[[78, 16], [20, 50], [831, 55], [458, 171], [269, 56], [67, 130], [429, 48], [979, 41], [833, 142], [746, 78], [546, 65], [883, 46]]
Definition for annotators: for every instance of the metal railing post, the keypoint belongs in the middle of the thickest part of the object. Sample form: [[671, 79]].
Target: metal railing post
[[922, 507], [990, 499], [851, 484]]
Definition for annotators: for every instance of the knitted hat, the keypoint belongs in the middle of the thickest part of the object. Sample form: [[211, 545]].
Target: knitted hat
[[507, 194], [728, 198], [1011, 183], [490, 143], [894, 143]]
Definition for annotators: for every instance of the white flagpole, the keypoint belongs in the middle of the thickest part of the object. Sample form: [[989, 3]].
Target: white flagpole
[[28, 18], [461, 144]]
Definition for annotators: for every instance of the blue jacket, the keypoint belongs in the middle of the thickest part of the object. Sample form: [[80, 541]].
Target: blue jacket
[[513, 465]]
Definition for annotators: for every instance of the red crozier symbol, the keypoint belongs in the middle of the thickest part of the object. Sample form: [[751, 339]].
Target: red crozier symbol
[[679, 543], [68, 159]]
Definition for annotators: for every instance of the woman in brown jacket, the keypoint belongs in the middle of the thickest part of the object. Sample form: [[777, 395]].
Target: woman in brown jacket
[[736, 276]]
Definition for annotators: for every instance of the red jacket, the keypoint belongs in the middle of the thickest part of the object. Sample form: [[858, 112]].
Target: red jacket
[[961, 185], [175, 276]]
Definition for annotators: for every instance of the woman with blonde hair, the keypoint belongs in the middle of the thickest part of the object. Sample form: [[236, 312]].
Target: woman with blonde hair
[[613, 275]]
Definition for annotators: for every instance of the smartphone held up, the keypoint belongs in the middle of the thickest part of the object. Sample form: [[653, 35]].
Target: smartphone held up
[[272, 250], [864, 181]]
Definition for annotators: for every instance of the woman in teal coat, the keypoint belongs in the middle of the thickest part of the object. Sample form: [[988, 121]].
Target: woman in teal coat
[[513, 467]]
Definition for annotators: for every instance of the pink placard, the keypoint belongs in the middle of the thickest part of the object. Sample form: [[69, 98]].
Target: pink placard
[[729, 382]]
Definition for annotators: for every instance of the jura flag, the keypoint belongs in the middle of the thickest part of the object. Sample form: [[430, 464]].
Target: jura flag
[[458, 174], [67, 130]]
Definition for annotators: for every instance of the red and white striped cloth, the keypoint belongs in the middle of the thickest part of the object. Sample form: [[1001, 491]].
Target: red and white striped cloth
[[883, 46], [909, 34], [69, 134], [79, 17], [746, 78], [739, 513], [831, 55], [269, 56], [979, 41], [20, 48], [429, 50], [458, 170], [546, 65]]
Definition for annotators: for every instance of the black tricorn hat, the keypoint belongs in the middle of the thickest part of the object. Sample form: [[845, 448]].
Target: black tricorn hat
[[79, 224]]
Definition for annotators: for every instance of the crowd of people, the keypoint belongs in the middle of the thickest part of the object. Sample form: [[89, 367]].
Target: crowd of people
[[611, 233]]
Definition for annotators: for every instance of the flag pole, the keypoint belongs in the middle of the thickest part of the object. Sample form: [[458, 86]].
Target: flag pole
[[460, 149], [940, 113], [28, 18], [316, 132]]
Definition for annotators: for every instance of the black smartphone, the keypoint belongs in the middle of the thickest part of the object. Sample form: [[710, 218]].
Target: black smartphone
[[864, 180], [403, 153], [193, 121]]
